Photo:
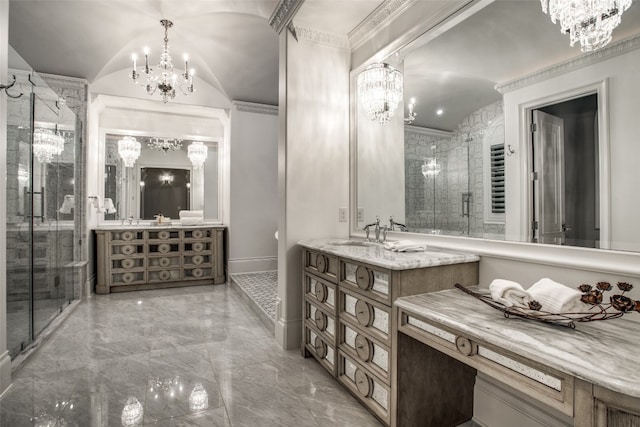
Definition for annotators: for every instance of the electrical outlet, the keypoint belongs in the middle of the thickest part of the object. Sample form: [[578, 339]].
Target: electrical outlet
[[360, 214], [342, 214]]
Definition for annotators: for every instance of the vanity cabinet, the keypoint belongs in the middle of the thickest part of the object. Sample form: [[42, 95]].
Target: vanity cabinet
[[159, 257], [347, 308]]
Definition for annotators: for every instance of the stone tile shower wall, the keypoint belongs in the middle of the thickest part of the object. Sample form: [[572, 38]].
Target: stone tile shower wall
[[434, 204]]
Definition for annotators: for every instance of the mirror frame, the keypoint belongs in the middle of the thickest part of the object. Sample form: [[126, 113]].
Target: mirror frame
[[588, 259]]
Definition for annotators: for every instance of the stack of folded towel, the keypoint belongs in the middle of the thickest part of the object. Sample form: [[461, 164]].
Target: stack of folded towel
[[405, 246], [191, 217], [554, 297]]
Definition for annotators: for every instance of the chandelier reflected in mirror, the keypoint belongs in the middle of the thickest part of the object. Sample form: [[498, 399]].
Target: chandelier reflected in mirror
[[162, 77], [164, 144], [197, 153], [589, 22], [129, 150], [430, 167], [380, 91], [47, 144]]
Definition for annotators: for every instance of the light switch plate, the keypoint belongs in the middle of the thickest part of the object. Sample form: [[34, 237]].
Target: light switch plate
[[342, 214]]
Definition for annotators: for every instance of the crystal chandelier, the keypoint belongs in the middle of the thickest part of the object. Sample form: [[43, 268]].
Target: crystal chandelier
[[164, 144], [380, 91], [197, 153], [162, 77], [129, 150], [132, 413], [198, 399], [589, 22], [430, 167], [47, 144]]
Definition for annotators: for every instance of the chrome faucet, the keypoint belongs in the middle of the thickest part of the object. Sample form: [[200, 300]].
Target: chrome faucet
[[392, 225], [377, 229]]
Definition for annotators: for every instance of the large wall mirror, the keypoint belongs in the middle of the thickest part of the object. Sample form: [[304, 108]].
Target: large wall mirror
[[517, 136], [162, 181]]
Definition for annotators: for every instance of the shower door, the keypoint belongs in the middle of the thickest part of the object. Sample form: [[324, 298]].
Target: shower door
[[40, 209]]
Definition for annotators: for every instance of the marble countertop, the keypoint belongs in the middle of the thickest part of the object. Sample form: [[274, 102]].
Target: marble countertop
[[146, 225], [604, 353], [376, 254]]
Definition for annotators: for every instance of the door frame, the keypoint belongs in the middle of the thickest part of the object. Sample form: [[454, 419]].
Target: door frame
[[601, 89]]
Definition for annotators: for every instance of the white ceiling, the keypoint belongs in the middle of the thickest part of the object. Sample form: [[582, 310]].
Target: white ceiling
[[458, 70], [334, 16]]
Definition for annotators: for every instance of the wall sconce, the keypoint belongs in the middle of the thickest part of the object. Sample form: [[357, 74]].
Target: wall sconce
[[412, 114], [166, 178]]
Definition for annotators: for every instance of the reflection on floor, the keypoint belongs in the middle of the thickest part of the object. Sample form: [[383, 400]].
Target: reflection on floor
[[260, 291], [19, 316], [189, 356]]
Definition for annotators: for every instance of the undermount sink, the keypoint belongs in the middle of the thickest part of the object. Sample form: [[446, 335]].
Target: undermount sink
[[350, 243]]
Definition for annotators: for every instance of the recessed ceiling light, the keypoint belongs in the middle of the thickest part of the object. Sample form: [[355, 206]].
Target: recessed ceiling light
[[439, 111]]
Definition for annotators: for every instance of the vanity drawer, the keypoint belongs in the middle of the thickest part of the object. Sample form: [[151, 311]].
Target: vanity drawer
[[164, 261], [324, 322], [197, 234], [204, 260], [325, 266], [366, 350], [128, 278], [321, 292], [366, 386], [367, 315], [164, 235], [163, 275], [373, 282], [164, 248], [125, 236], [127, 249], [324, 352], [197, 247], [128, 263], [197, 273]]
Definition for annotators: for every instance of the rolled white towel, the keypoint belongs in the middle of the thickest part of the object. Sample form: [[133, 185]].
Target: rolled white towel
[[191, 221], [405, 246], [554, 297], [509, 293], [191, 214]]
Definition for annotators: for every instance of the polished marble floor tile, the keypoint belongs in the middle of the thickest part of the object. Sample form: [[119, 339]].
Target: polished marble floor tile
[[173, 357]]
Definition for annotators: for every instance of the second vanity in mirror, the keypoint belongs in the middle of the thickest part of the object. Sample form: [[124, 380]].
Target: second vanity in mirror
[[349, 287]]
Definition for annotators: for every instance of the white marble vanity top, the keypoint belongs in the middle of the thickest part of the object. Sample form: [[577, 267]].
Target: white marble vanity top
[[375, 254], [146, 225], [604, 353]]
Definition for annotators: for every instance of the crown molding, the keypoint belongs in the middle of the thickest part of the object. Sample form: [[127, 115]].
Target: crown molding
[[64, 81], [328, 39], [581, 61], [379, 18], [283, 14], [427, 131], [252, 107]]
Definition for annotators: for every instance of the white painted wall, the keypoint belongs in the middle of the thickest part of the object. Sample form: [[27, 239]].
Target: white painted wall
[[313, 163], [621, 73], [254, 190], [5, 361]]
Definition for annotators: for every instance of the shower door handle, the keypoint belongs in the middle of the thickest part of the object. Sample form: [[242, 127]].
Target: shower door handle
[[466, 200]]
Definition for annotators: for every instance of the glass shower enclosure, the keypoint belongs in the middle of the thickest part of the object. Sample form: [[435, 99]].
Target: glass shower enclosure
[[42, 133]]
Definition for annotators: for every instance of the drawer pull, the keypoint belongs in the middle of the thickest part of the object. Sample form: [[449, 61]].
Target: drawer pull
[[128, 249], [321, 263], [197, 259], [164, 248], [465, 346], [321, 320], [364, 313], [163, 235], [164, 275], [364, 348], [128, 263], [320, 347], [364, 277], [321, 292], [197, 234], [128, 277], [197, 247], [128, 235], [197, 272], [363, 383], [164, 262]]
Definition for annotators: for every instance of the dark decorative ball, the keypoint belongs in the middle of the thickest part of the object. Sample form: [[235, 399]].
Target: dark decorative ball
[[622, 303], [604, 286], [584, 288], [624, 286]]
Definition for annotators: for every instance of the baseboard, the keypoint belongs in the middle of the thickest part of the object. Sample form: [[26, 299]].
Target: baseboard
[[5, 372], [498, 405], [250, 265], [288, 333]]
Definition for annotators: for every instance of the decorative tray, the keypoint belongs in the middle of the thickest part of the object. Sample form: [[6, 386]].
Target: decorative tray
[[619, 305]]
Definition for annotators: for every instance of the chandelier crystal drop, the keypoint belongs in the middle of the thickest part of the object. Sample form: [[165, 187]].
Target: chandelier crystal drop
[[162, 77], [129, 150], [47, 144], [380, 91], [164, 144], [197, 153], [589, 22]]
